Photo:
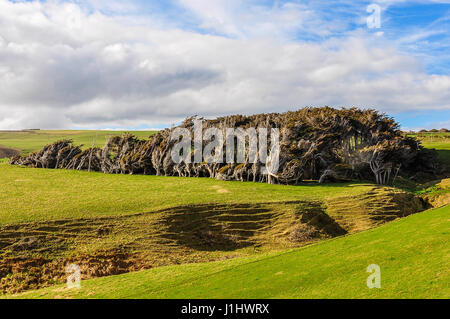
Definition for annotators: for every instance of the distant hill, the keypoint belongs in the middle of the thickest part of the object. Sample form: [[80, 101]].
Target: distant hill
[[28, 141]]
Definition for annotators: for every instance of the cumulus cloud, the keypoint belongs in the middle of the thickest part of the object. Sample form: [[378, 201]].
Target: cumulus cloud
[[63, 66], [249, 19]]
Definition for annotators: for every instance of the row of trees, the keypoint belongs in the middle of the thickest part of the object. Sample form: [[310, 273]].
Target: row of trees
[[315, 143], [442, 130]]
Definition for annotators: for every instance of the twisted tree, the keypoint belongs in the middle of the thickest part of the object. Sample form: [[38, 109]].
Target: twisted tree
[[322, 144]]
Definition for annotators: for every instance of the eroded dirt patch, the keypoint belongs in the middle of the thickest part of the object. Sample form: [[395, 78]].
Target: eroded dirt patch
[[22, 273], [371, 209], [218, 227], [438, 194], [226, 228], [35, 254]]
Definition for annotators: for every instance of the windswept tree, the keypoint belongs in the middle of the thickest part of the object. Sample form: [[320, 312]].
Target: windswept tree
[[322, 144]]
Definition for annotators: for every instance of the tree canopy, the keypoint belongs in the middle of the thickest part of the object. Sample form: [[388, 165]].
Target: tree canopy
[[324, 144]]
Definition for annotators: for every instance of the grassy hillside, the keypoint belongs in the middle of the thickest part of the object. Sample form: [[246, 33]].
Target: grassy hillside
[[29, 194], [31, 141], [115, 224], [413, 254], [111, 224]]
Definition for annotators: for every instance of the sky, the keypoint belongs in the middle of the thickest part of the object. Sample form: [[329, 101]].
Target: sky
[[107, 64]]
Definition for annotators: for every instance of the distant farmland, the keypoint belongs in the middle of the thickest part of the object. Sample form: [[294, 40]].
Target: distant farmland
[[28, 141]]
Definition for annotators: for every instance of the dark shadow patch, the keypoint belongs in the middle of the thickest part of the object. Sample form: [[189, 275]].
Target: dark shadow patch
[[217, 227], [444, 158], [322, 223], [7, 152]]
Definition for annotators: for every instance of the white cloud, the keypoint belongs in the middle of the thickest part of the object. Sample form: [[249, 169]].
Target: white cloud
[[248, 19], [61, 67]]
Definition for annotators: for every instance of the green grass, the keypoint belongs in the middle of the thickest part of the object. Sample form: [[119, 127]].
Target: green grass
[[413, 254], [30, 194], [31, 141], [440, 142], [59, 210]]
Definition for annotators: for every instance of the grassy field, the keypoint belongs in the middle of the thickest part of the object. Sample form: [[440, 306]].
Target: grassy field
[[29, 194], [33, 140], [114, 224], [413, 254]]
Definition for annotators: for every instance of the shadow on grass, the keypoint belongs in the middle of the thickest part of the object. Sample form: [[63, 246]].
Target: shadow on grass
[[217, 227], [444, 157], [8, 152], [339, 184]]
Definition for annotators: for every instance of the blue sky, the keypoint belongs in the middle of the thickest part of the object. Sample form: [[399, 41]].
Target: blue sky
[[148, 64], [419, 28]]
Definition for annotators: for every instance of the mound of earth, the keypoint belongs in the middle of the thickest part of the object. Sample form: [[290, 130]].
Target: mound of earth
[[369, 210], [438, 195]]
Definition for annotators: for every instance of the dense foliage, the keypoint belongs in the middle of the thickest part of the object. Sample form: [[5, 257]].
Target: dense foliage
[[315, 143]]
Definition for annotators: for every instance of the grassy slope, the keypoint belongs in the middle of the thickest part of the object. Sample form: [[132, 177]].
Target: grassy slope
[[30, 141], [28, 194], [413, 254]]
